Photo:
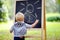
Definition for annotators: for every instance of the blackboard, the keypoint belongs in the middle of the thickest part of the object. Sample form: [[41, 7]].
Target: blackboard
[[32, 10]]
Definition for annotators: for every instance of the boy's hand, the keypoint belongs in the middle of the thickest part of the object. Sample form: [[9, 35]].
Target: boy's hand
[[37, 21], [10, 31], [21, 37]]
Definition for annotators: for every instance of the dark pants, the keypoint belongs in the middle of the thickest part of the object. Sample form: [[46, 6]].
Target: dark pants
[[18, 38]]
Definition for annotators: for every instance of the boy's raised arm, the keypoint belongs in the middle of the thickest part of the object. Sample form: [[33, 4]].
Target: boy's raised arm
[[34, 24]]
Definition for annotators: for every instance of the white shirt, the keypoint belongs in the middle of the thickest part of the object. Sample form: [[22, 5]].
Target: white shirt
[[20, 28]]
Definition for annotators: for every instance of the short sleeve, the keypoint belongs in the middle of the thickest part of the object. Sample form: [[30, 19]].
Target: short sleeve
[[28, 26]]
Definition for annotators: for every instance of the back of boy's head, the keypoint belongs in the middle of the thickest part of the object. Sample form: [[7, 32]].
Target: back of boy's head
[[19, 16]]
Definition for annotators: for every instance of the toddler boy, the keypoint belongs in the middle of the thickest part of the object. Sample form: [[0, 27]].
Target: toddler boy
[[20, 27]]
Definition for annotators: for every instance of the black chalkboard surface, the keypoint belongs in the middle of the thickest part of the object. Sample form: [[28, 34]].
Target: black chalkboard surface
[[32, 9]]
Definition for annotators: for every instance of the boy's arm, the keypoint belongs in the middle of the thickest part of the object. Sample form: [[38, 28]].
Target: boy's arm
[[34, 24], [11, 30]]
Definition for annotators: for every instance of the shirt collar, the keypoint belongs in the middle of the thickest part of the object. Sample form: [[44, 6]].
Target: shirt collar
[[20, 21]]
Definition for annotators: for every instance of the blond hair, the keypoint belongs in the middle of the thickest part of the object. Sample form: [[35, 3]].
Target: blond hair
[[19, 16]]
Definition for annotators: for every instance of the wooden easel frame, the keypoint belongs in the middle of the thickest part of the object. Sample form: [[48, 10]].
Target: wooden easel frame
[[43, 28]]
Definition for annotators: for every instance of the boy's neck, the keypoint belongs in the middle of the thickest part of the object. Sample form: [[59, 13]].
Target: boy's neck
[[20, 21]]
